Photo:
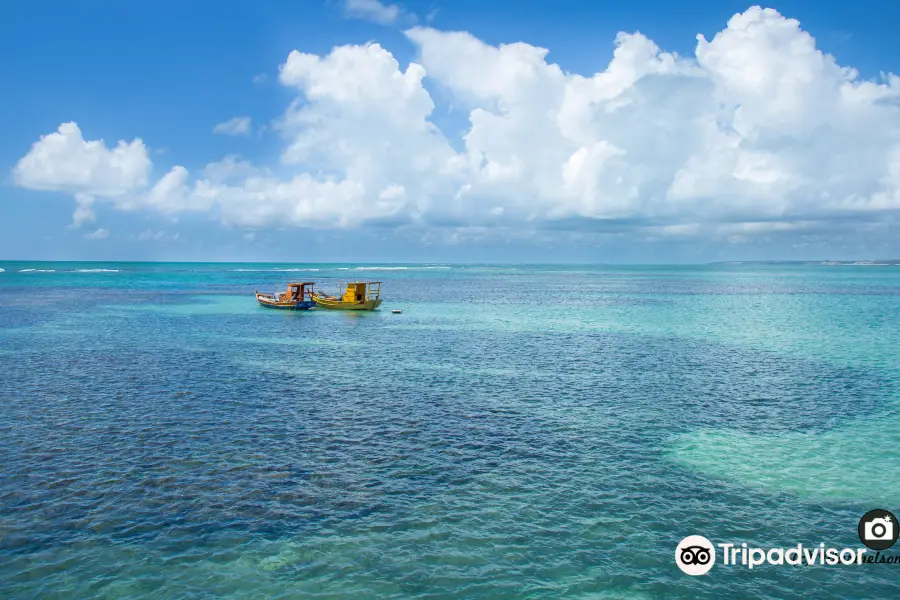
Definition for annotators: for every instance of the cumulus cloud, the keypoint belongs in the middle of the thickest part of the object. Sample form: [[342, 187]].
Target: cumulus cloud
[[64, 161], [91, 171], [758, 133], [97, 234], [372, 10], [235, 126], [84, 212], [229, 168]]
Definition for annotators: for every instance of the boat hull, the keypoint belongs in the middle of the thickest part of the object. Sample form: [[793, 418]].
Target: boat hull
[[340, 305], [302, 305]]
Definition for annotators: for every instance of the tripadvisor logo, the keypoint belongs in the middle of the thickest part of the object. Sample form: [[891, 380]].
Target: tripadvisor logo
[[878, 530], [695, 555]]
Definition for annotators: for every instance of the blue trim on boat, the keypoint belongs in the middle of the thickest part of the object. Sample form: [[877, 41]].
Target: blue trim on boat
[[305, 305]]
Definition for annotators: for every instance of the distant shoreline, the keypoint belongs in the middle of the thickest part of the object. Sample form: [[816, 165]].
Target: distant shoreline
[[389, 265]]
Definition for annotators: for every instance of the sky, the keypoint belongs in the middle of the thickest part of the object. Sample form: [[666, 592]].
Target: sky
[[437, 131]]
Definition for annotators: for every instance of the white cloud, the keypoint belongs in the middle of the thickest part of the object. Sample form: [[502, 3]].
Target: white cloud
[[64, 161], [235, 126], [173, 194], [229, 168], [84, 212], [98, 234], [758, 133], [372, 10]]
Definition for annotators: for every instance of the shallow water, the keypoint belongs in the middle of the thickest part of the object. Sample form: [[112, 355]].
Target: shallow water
[[518, 432]]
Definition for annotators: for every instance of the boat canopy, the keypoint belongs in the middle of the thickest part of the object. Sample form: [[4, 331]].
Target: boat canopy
[[297, 290], [361, 291]]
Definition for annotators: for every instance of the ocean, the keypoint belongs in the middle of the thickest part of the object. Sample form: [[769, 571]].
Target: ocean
[[518, 431]]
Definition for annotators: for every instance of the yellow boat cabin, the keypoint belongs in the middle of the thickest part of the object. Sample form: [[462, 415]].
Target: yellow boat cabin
[[357, 295]]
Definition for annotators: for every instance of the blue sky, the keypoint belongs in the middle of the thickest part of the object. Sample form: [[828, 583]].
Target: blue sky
[[169, 72]]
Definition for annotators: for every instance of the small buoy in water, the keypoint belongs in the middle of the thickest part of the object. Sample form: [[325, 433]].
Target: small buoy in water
[[397, 311]]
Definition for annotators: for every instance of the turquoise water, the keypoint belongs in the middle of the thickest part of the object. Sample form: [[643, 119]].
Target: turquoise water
[[518, 432]]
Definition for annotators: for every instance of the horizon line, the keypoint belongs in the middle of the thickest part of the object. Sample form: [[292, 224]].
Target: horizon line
[[822, 261]]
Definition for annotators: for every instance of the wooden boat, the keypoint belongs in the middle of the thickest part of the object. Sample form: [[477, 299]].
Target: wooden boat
[[358, 295], [298, 296]]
